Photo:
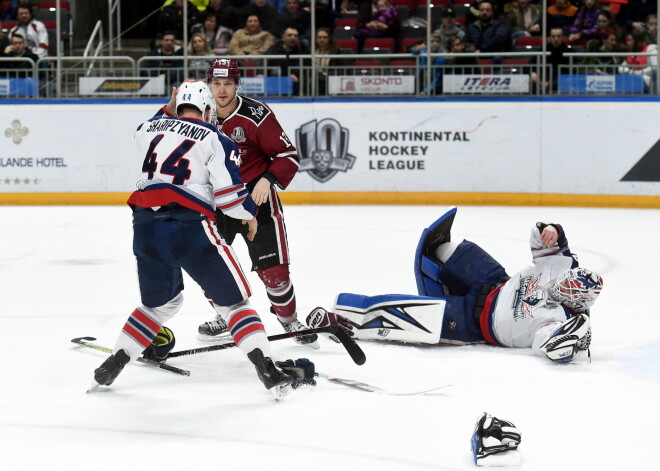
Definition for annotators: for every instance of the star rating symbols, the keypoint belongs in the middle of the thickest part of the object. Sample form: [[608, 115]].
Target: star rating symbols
[[21, 181]]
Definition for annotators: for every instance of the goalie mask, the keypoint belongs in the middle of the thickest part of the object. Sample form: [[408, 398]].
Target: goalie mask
[[196, 94], [578, 288]]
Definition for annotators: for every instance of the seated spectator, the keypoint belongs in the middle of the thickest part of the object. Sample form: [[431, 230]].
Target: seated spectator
[[251, 40], [557, 48], [523, 19], [33, 31], [652, 27], [197, 66], [171, 17], [488, 34], [606, 20], [633, 14], [325, 14], [287, 46], [4, 41], [562, 15], [606, 42], [351, 8], [230, 13], [585, 26], [218, 37], [641, 65], [381, 23], [18, 49], [325, 45], [435, 85], [266, 12], [9, 14], [449, 27], [294, 17], [165, 64], [459, 64]]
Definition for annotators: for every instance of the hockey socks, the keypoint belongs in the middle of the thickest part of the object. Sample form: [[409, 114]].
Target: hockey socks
[[280, 291]]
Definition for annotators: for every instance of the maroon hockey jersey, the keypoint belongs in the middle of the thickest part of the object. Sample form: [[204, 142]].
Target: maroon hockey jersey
[[265, 149]]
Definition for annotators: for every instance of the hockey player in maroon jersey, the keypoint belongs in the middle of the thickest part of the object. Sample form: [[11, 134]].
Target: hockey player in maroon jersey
[[267, 160], [188, 176]]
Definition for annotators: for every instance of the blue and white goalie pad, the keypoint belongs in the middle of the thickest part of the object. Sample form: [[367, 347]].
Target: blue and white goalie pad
[[393, 317], [427, 268]]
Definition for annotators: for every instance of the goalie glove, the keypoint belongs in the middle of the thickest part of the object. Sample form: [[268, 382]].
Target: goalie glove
[[493, 436], [572, 337], [161, 346], [319, 317]]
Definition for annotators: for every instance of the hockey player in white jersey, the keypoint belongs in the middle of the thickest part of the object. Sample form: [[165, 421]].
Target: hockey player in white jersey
[[188, 173], [466, 296]]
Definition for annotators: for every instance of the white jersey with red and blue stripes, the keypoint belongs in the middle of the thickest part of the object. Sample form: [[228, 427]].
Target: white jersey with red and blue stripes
[[189, 162], [518, 315]]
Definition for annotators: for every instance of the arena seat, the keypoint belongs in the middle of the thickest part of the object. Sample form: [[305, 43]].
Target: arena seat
[[381, 43], [347, 44]]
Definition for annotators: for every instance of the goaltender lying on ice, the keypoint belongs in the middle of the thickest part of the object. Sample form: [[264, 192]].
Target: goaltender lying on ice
[[465, 296]]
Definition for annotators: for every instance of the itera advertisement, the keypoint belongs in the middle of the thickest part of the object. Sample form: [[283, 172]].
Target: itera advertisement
[[362, 146]]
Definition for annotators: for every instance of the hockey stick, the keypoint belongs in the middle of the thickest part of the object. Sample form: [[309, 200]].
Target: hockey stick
[[370, 388], [86, 342], [351, 347]]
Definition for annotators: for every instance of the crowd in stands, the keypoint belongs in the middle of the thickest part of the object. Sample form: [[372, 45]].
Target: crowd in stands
[[283, 28]]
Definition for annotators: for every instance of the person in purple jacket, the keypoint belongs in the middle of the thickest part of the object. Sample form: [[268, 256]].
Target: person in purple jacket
[[585, 26], [383, 22]]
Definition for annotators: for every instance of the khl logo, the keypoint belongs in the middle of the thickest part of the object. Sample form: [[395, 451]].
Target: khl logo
[[323, 149], [16, 132]]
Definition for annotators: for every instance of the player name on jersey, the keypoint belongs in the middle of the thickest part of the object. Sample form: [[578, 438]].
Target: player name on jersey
[[179, 127]]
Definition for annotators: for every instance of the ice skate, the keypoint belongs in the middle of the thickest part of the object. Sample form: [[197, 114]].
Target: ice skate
[[105, 374], [213, 330], [275, 380], [305, 340]]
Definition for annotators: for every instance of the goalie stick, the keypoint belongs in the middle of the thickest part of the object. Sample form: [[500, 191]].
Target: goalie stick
[[353, 349], [351, 383], [87, 342]]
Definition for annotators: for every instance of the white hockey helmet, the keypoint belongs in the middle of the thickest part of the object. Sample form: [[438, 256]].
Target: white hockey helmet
[[578, 287], [196, 94]]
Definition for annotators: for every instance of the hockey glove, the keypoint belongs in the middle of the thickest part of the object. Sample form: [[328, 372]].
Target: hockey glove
[[161, 346], [569, 339], [301, 369], [319, 317], [493, 436]]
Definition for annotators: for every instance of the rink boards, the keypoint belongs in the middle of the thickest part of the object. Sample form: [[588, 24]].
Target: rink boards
[[560, 153]]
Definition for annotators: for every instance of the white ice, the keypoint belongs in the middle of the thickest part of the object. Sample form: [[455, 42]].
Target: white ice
[[69, 271]]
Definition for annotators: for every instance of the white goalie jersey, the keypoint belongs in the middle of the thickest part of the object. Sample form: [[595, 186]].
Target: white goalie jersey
[[522, 309]]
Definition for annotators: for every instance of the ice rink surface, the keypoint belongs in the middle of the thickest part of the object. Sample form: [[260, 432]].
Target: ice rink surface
[[69, 271]]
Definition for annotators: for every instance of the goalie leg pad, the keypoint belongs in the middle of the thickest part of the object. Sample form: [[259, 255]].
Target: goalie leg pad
[[427, 269], [395, 317]]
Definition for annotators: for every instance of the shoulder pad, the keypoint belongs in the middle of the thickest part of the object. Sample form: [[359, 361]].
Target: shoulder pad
[[253, 110]]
